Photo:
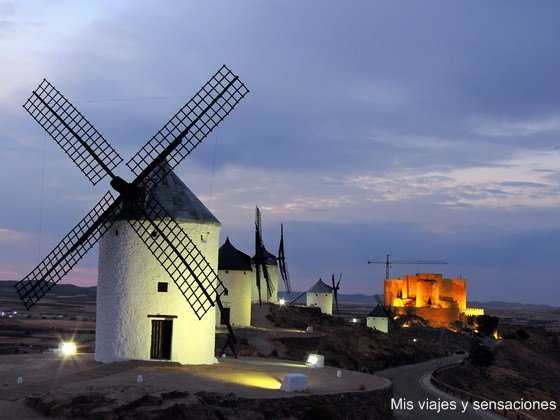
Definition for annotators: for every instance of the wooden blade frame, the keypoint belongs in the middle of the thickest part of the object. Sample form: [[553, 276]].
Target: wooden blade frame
[[69, 251], [96, 158], [87, 148]]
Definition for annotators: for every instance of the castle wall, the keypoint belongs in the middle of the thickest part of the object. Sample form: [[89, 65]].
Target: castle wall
[[392, 290], [409, 287], [427, 293], [448, 297], [459, 291], [128, 299], [446, 289], [436, 317]]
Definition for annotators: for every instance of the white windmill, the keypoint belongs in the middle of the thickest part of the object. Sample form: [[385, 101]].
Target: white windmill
[[158, 254]]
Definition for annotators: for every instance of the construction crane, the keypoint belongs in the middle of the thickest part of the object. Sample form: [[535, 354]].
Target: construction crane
[[389, 263]]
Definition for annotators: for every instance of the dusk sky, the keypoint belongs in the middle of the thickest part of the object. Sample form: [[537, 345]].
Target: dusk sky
[[427, 130]]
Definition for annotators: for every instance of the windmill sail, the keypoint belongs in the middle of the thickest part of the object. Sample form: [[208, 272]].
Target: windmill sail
[[73, 132], [69, 251], [180, 257], [96, 158], [282, 264], [261, 259]]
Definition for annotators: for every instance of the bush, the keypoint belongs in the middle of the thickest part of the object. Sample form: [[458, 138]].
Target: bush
[[480, 355]]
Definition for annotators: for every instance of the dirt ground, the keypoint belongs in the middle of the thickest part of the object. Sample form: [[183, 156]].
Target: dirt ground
[[54, 377]]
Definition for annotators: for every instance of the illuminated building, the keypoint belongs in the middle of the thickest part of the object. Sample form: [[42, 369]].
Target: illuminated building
[[428, 295], [236, 273], [378, 320], [141, 313], [320, 295]]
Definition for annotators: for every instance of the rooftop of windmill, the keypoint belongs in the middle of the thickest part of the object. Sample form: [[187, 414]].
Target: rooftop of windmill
[[230, 258], [320, 287]]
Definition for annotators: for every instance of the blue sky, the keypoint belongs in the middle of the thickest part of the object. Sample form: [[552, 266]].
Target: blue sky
[[427, 130]]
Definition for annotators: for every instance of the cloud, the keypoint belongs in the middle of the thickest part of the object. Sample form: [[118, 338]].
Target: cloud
[[358, 115]]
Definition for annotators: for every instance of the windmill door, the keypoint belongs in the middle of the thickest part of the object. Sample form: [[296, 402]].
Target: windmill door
[[162, 330], [224, 318]]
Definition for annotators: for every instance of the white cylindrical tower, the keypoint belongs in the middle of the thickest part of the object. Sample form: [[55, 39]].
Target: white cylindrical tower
[[141, 313], [236, 274], [320, 295]]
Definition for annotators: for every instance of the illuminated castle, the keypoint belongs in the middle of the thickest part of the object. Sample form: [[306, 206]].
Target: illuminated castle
[[440, 301]]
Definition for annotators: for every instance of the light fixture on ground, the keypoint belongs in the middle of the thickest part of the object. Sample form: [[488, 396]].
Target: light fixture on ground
[[294, 382], [281, 302], [67, 348], [315, 361]]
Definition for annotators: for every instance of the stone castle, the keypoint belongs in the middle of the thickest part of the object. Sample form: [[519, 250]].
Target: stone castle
[[440, 301]]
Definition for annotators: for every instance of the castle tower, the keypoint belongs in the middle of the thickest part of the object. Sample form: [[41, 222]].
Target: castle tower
[[236, 273], [320, 295], [141, 313], [272, 266]]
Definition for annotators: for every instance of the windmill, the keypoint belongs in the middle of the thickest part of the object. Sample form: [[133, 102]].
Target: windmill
[[157, 229], [335, 288], [263, 261], [282, 265]]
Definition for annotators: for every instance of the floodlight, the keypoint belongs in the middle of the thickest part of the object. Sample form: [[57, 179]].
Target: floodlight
[[67, 348], [315, 361], [281, 302]]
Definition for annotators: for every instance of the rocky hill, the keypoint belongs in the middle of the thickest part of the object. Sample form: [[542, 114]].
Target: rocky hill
[[528, 370], [345, 344]]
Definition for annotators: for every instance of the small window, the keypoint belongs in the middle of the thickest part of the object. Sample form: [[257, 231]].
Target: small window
[[116, 232], [226, 292], [162, 286]]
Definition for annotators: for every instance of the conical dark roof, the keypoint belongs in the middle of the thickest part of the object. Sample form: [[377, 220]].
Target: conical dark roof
[[270, 259], [320, 287], [230, 258], [378, 312], [180, 201]]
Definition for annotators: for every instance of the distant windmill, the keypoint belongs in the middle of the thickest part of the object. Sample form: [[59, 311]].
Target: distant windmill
[[263, 260], [335, 288], [282, 264], [389, 263], [135, 207]]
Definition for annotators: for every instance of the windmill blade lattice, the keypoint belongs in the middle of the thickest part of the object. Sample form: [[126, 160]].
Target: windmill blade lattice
[[73, 132], [261, 257], [96, 158], [282, 264], [200, 115], [69, 251], [180, 257]]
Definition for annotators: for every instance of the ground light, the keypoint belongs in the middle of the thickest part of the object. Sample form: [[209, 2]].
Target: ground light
[[67, 348], [354, 320], [281, 302], [315, 361]]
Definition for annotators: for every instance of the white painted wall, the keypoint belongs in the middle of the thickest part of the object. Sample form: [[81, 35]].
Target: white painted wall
[[378, 323], [238, 299], [322, 300], [273, 273], [127, 294]]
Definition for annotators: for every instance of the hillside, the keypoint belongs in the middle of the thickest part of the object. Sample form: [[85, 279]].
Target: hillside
[[353, 345], [528, 370], [7, 290]]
